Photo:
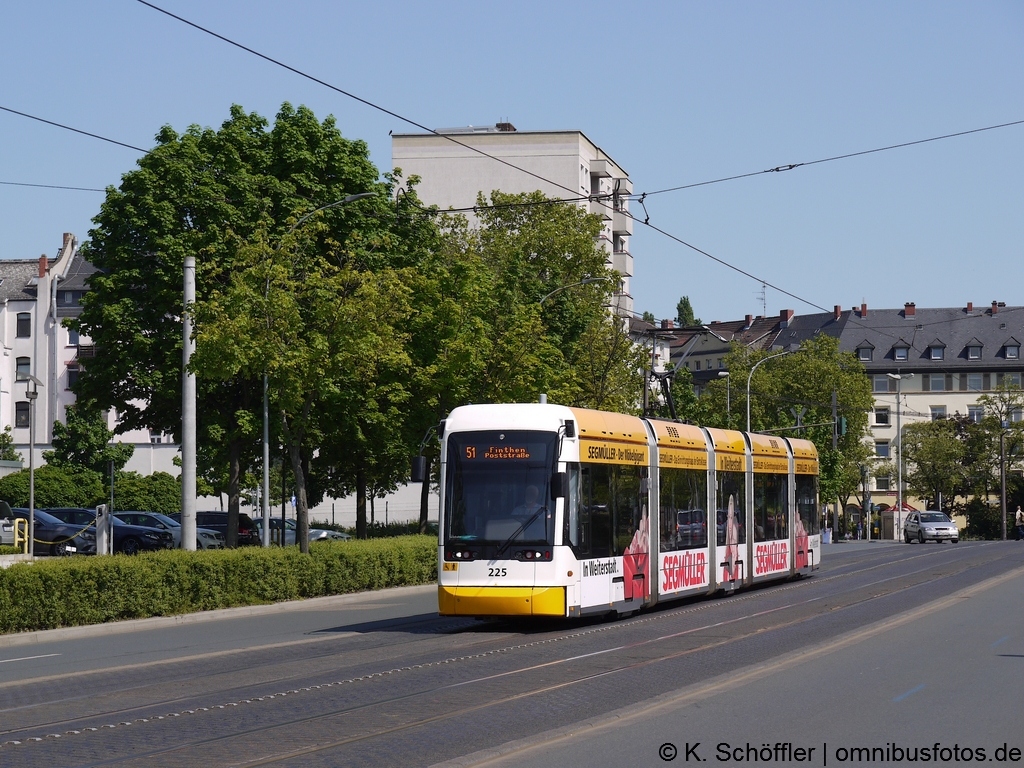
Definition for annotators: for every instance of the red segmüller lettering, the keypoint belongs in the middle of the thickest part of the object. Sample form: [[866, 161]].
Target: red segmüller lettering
[[687, 569], [771, 557]]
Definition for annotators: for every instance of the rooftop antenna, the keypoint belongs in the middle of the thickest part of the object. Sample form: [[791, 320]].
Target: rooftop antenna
[[764, 299]]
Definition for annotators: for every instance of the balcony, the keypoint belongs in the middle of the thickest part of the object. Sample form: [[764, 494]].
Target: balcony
[[622, 262], [622, 223]]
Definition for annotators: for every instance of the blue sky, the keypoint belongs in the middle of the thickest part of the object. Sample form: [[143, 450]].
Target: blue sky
[[676, 92]]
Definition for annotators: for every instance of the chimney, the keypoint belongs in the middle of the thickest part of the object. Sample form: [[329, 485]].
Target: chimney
[[750, 321], [505, 127], [970, 307], [785, 316], [995, 307], [67, 238], [667, 325], [44, 266], [837, 312], [863, 310], [909, 308]]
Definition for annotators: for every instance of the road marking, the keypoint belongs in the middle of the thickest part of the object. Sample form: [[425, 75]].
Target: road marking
[[29, 658], [908, 693]]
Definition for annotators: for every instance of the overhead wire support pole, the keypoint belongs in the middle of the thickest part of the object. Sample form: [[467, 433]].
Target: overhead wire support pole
[[188, 414]]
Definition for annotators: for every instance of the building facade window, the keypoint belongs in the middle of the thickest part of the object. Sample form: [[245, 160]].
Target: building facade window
[[72, 337], [21, 414], [23, 368], [882, 417], [1017, 415], [882, 449], [24, 329], [155, 437], [882, 483], [72, 376], [1013, 379], [938, 412], [975, 413], [974, 382], [882, 383]]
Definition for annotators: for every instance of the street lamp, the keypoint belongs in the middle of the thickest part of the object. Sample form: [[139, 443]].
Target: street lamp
[[265, 532], [897, 523], [1002, 474], [588, 281], [751, 375], [31, 393], [728, 406]]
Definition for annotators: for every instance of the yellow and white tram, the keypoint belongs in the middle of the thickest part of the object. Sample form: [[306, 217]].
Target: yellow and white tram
[[548, 510]]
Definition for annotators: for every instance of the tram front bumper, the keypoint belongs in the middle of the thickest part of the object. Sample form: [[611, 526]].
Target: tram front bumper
[[501, 601]]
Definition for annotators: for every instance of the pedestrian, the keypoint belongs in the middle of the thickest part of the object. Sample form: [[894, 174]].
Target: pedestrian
[[1019, 522]]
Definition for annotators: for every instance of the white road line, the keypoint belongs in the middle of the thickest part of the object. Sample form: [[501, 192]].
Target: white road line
[[29, 658]]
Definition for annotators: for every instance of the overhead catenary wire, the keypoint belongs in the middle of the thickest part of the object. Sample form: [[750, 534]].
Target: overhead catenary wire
[[793, 166]]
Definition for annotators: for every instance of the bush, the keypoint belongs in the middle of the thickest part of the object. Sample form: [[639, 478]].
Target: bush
[[55, 487], [92, 590], [6, 549]]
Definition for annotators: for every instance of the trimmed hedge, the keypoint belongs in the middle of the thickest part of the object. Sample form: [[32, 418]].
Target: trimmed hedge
[[74, 591]]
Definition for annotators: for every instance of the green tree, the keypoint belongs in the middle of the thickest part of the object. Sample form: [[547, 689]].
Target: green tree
[[502, 315], [85, 441], [55, 486], [934, 456], [159, 492], [684, 313], [217, 195], [648, 317], [7, 450]]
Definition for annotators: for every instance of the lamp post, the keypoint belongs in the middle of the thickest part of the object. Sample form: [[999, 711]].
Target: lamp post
[[751, 376], [898, 519], [31, 393], [1002, 475], [587, 281], [728, 405]]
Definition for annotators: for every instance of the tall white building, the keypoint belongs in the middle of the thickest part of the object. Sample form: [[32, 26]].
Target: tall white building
[[563, 164]]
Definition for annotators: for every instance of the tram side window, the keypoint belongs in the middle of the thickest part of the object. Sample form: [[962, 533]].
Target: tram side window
[[610, 509], [684, 520], [732, 486], [770, 508], [571, 528], [807, 503]]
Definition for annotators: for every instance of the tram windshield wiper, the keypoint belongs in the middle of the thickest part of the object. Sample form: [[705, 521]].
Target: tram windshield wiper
[[522, 527]]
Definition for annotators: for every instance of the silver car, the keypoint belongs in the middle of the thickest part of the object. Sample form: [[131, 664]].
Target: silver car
[[930, 526]]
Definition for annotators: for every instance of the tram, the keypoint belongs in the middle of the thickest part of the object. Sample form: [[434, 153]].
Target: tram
[[548, 510]]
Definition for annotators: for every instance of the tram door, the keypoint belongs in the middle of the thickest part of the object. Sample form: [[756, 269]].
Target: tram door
[[613, 547]]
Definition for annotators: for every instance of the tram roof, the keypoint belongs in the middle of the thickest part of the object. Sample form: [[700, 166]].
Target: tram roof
[[673, 435], [727, 440], [602, 425], [767, 445], [803, 449]]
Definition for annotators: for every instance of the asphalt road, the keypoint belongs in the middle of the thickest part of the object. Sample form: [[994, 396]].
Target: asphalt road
[[886, 644]]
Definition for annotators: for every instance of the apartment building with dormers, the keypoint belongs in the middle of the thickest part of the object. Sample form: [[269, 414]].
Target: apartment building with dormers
[[457, 164], [945, 360]]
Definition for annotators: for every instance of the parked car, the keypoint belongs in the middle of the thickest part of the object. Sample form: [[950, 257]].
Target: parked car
[[206, 538], [930, 526], [315, 534], [56, 537], [6, 525], [128, 539], [248, 533], [692, 528]]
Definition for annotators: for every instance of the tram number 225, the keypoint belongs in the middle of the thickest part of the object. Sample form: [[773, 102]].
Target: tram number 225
[[497, 572]]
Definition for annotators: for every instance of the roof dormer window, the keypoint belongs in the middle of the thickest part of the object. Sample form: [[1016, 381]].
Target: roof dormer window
[[864, 354], [936, 352], [900, 353], [974, 353], [1012, 353]]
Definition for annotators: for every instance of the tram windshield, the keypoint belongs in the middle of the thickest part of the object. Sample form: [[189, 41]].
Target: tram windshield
[[498, 487]]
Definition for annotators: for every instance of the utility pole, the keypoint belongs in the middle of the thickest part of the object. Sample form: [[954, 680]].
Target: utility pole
[[835, 447]]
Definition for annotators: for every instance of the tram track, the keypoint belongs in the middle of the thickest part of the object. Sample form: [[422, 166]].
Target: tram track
[[665, 612], [390, 702]]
